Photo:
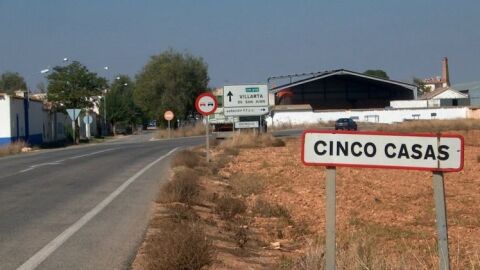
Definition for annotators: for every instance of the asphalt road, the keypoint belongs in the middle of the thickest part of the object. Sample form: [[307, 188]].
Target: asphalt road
[[81, 207]]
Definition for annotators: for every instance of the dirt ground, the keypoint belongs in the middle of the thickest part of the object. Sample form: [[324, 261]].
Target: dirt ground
[[386, 214]]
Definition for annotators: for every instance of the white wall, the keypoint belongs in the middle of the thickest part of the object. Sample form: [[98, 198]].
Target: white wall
[[378, 115], [419, 103], [4, 119]]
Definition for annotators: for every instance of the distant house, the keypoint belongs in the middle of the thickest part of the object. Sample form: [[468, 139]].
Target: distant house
[[30, 120], [446, 96], [472, 89]]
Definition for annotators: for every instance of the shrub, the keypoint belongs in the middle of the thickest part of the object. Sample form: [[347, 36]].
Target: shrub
[[267, 209], [182, 188], [181, 213], [228, 207], [478, 158], [187, 158], [188, 131], [247, 184], [13, 148], [179, 246]]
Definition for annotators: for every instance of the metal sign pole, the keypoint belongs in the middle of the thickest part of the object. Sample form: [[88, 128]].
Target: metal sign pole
[[439, 194], [169, 129], [330, 219], [206, 136]]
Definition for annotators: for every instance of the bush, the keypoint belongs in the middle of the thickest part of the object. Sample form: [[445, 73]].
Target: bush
[[179, 246], [187, 158], [247, 184], [228, 207], [267, 209], [13, 148], [182, 188]]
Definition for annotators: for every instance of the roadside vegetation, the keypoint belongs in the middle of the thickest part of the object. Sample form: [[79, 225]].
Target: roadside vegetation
[[255, 206], [196, 130], [13, 148]]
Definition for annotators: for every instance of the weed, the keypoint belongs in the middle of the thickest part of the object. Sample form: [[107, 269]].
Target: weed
[[240, 235], [267, 209], [181, 212], [187, 158], [231, 151], [195, 130], [13, 148], [278, 143], [247, 184], [182, 188], [478, 158], [285, 263], [228, 207], [179, 246]]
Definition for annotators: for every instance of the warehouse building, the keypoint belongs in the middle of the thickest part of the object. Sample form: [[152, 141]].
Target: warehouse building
[[342, 89]]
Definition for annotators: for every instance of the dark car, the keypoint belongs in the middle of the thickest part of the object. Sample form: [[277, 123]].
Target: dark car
[[345, 123]]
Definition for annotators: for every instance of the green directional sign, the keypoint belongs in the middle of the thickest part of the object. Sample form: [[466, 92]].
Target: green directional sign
[[252, 89]]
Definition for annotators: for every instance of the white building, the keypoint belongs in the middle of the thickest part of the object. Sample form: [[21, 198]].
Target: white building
[[30, 120]]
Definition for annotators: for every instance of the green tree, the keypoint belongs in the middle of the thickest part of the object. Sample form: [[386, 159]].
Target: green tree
[[11, 82], [74, 86], [377, 73], [170, 81], [422, 88], [120, 105]]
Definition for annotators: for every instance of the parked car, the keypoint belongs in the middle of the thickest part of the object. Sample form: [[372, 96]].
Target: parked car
[[345, 123]]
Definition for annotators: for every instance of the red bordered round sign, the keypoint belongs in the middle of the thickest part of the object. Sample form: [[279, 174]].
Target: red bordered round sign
[[168, 115], [206, 103]]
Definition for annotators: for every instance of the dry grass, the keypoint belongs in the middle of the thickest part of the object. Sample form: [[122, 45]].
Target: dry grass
[[251, 140], [246, 184], [432, 126], [228, 207], [178, 246], [196, 130], [266, 209], [187, 158], [13, 148], [182, 188]]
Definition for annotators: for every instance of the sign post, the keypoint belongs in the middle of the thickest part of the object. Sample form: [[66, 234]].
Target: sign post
[[429, 152], [87, 119], [206, 104], [168, 115], [441, 213], [330, 218], [74, 113]]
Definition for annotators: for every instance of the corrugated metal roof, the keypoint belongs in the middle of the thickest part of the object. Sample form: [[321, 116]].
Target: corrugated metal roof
[[326, 74]]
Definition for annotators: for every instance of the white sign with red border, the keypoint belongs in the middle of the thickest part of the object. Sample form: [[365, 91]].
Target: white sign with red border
[[412, 151], [168, 115], [206, 103]]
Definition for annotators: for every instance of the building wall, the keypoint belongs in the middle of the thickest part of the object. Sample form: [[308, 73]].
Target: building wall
[[4, 119], [377, 116], [18, 122]]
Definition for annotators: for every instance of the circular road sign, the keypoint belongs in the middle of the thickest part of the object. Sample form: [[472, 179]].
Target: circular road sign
[[87, 119], [168, 115], [206, 103]]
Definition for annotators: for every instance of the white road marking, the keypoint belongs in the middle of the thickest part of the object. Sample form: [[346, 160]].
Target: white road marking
[[93, 153], [47, 250], [62, 160]]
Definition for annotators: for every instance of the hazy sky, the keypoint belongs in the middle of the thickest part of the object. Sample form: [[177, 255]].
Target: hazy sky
[[244, 41]]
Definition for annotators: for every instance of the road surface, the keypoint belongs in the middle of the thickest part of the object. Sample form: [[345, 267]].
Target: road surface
[[81, 207]]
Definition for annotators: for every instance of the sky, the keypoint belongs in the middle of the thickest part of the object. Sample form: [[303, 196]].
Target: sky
[[244, 41]]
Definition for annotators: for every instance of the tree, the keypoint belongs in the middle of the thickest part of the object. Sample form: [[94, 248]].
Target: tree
[[74, 86], [11, 82], [119, 103], [422, 88], [170, 81], [377, 73]]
